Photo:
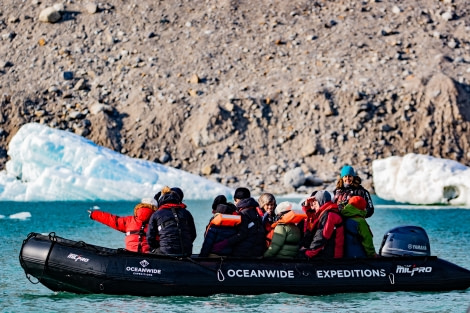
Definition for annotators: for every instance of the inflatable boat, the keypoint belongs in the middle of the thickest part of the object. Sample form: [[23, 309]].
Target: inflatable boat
[[78, 267]]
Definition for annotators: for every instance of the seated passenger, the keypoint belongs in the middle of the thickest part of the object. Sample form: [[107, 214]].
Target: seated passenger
[[326, 232], [285, 236], [241, 193], [220, 199], [171, 228], [249, 241], [267, 204], [221, 227], [348, 185], [306, 225], [358, 236], [134, 226]]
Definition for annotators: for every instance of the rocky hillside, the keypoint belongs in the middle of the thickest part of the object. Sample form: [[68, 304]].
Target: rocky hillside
[[273, 95]]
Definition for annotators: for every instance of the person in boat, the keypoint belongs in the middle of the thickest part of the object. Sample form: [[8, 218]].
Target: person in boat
[[221, 226], [306, 224], [348, 185], [325, 234], [358, 241], [249, 241], [171, 228], [220, 199], [285, 236], [241, 193], [267, 204], [134, 226]]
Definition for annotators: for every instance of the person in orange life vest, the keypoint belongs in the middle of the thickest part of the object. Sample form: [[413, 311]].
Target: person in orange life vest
[[327, 231], [358, 241], [348, 185], [171, 228], [267, 204], [249, 241], [134, 226], [217, 233], [285, 236]]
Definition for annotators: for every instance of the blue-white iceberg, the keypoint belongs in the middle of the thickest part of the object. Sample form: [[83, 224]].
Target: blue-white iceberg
[[47, 164], [422, 179]]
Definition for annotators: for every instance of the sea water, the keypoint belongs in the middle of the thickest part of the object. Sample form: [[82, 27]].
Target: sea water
[[448, 230]]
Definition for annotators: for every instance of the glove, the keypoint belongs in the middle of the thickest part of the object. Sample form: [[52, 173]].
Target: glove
[[341, 205], [218, 247], [310, 253], [89, 213]]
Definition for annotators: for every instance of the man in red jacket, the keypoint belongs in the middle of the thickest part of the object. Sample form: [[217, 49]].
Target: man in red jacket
[[134, 226], [326, 233]]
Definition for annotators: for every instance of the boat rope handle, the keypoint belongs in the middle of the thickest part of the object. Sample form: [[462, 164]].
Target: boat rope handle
[[28, 276], [391, 277], [220, 274], [302, 272]]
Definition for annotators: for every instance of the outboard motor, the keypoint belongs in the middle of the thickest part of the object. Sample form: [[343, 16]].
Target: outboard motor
[[405, 241]]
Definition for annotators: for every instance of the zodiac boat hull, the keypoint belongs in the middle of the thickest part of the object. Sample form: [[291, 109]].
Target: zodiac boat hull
[[74, 266]]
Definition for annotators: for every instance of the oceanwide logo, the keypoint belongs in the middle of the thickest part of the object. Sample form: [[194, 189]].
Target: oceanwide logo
[[143, 270]]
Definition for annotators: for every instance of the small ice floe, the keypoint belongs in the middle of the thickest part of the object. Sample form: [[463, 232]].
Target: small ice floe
[[20, 216]]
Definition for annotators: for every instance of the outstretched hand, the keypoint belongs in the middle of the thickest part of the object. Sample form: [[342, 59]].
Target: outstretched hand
[[91, 211]]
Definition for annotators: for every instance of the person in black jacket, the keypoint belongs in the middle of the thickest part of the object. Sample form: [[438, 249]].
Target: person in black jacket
[[249, 241], [349, 185], [171, 228]]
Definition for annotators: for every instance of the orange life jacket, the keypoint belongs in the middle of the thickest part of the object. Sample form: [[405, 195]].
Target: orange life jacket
[[291, 217], [224, 220]]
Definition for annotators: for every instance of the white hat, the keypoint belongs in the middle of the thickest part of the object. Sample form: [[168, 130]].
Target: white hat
[[151, 201], [283, 207]]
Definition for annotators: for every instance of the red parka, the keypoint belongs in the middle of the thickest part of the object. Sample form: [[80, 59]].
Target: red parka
[[328, 233], [130, 225]]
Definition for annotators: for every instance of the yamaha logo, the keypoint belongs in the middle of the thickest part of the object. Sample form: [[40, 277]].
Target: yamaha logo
[[417, 247]]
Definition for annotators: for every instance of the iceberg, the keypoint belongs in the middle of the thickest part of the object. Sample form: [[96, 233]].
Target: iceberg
[[47, 164], [421, 179]]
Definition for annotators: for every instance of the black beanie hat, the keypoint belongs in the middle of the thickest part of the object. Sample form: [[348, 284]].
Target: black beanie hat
[[228, 208], [241, 193], [178, 191], [220, 199], [171, 197]]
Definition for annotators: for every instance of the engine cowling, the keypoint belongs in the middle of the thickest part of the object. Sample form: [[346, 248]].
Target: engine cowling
[[405, 241]]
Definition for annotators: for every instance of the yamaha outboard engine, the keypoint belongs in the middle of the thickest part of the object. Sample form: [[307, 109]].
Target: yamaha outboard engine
[[405, 241]]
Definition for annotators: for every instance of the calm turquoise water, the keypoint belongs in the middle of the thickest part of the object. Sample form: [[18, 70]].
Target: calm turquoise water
[[447, 228]]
